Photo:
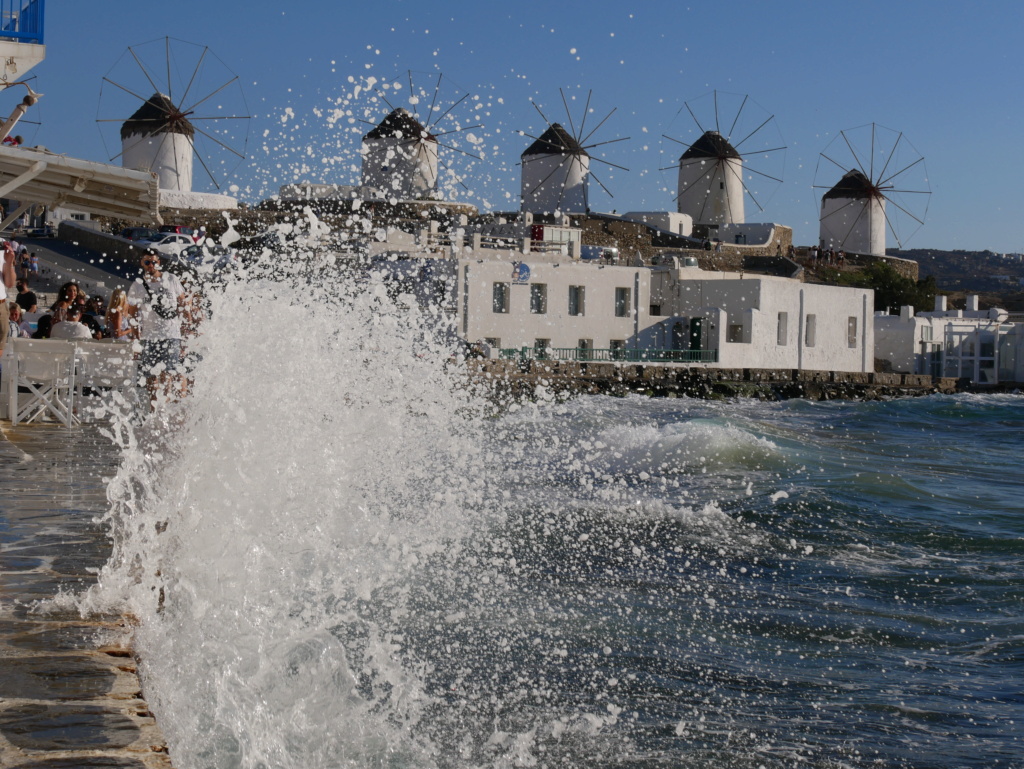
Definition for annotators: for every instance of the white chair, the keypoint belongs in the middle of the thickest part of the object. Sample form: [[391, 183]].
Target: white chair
[[103, 366], [46, 368]]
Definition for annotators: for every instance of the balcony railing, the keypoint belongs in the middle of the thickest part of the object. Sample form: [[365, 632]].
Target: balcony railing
[[615, 355], [22, 20]]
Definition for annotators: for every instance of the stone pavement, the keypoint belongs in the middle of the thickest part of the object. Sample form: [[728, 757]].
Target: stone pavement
[[70, 695]]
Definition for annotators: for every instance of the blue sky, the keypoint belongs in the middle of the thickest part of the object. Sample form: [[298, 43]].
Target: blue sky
[[945, 74]]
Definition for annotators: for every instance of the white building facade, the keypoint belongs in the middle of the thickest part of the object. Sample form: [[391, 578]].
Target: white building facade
[[979, 345]]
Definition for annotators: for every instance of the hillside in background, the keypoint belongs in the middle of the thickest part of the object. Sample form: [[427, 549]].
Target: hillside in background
[[997, 278]]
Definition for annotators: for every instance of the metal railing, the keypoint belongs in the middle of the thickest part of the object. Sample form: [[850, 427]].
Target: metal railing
[[22, 20], [612, 355]]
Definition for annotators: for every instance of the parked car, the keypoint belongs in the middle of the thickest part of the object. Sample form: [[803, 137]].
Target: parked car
[[169, 243], [138, 233], [181, 229]]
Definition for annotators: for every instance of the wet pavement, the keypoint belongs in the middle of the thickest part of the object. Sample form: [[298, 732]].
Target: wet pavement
[[69, 692]]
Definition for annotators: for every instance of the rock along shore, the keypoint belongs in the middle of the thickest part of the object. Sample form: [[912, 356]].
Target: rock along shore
[[521, 379]]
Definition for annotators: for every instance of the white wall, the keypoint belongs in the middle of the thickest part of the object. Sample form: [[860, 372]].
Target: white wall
[[520, 327], [711, 190], [400, 168], [853, 224], [555, 183], [680, 224], [168, 155]]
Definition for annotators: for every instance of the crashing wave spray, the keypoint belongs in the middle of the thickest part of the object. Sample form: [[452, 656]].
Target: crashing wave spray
[[270, 542]]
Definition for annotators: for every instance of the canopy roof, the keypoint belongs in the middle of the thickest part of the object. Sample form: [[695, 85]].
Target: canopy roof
[[400, 125], [157, 115], [710, 145], [37, 176], [555, 141]]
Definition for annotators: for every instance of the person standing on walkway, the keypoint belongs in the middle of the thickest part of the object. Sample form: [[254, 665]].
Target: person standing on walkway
[[157, 303], [10, 278]]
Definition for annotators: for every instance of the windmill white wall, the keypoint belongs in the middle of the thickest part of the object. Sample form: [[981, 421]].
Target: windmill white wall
[[400, 158], [711, 182], [852, 217], [554, 175], [167, 154]]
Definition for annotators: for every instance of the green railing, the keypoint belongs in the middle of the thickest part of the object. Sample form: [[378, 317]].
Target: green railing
[[609, 355]]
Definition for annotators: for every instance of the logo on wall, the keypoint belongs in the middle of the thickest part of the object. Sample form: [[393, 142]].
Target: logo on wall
[[521, 273]]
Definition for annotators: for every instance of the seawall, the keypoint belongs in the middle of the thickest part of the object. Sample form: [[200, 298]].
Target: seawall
[[520, 379]]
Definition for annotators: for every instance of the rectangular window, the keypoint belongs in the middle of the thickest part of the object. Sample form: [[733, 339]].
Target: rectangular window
[[494, 342], [851, 332], [584, 348], [576, 300], [735, 334], [538, 298], [655, 310], [541, 348], [617, 348], [622, 303], [926, 333], [783, 334], [810, 330], [500, 297]]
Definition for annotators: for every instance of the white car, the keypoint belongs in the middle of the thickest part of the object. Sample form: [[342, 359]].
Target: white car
[[170, 243]]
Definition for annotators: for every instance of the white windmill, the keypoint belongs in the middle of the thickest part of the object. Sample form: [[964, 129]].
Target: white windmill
[[556, 167], [883, 189], [401, 153], [736, 153], [196, 114]]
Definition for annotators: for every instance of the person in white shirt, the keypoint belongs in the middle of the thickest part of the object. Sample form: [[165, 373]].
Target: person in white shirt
[[158, 304], [72, 328]]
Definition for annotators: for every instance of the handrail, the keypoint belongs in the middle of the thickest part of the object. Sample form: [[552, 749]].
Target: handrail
[[585, 354], [22, 20]]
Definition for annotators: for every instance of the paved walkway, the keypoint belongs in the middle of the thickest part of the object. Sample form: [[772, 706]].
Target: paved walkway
[[69, 692]]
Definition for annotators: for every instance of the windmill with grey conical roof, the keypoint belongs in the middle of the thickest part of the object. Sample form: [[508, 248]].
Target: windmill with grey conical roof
[[400, 157], [556, 166], [196, 114], [159, 138], [401, 153], [733, 158], [884, 191]]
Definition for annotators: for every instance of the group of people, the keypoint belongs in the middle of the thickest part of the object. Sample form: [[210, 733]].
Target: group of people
[[156, 311], [827, 257]]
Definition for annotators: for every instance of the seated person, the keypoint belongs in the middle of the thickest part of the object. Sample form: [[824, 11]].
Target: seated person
[[27, 299], [43, 327], [72, 328], [18, 327]]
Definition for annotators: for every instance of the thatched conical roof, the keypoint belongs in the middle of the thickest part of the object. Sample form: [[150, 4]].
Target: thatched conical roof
[[710, 145], [555, 141], [157, 115], [854, 185], [399, 124]]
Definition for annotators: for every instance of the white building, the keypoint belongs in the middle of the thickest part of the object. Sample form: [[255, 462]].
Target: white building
[[400, 158], [979, 345], [538, 299], [711, 181], [853, 216], [554, 174]]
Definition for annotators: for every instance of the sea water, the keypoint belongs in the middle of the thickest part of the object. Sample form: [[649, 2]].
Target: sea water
[[343, 555]]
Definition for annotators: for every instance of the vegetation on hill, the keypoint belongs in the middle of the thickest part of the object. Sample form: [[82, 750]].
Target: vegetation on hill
[[892, 290]]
